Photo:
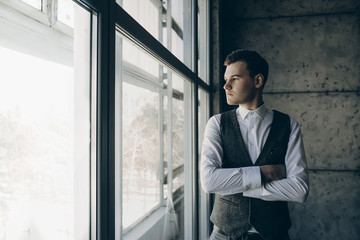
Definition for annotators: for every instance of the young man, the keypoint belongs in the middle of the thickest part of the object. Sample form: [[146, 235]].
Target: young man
[[253, 158]]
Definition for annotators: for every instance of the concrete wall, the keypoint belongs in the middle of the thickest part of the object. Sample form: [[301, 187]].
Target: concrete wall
[[216, 56], [313, 48]]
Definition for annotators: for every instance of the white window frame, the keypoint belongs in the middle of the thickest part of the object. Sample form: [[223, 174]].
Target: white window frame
[[47, 15]]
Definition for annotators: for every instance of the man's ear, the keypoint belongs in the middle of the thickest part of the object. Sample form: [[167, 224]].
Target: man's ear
[[259, 80]]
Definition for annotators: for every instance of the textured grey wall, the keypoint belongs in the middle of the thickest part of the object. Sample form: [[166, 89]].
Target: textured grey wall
[[313, 48]]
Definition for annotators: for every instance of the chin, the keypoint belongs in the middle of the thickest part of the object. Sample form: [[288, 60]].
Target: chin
[[232, 103]]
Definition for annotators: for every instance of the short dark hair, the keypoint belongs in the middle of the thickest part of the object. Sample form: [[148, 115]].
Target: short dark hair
[[255, 63]]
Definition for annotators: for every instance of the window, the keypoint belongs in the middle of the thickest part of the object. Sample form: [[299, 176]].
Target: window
[[153, 133], [204, 210], [141, 121], [47, 124], [155, 104], [166, 26], [203, 39], [100, 102], [57, 14], [148, 13]]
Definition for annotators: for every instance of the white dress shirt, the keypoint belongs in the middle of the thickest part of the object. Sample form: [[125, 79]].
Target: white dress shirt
[[255, 127]]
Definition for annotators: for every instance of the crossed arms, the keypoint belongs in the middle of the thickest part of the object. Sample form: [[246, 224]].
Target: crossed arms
[[287, 182]]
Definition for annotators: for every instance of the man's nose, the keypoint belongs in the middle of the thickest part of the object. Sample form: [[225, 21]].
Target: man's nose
[[227, 86]]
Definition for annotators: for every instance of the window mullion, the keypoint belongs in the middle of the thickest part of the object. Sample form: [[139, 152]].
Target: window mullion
[[50, 10], [118, 140], [169, 104], [161, 142], [169, 128], [93, 110], [189, 35], [161, 109], [189, 189]]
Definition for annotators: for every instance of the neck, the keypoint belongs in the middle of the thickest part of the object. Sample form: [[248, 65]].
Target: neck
[[256, 103]]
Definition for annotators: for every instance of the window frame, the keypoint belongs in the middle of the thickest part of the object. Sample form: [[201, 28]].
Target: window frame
[[137, 34], [47, 15], [145, 80], [24, 17], [136, 76], [28, 10], [105, 222]]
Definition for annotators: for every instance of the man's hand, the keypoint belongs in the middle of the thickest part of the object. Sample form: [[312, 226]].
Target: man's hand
[[272, 172]]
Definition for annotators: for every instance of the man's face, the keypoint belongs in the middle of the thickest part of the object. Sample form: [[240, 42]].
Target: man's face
[[239, 86]]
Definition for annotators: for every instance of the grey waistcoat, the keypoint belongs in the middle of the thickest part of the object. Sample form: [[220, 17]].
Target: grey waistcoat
[[235, 214]]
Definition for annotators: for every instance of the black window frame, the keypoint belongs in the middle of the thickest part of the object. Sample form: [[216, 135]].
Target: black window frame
[[111, 16]]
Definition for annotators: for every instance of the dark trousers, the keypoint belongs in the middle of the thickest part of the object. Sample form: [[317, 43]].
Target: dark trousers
[[217, 234]]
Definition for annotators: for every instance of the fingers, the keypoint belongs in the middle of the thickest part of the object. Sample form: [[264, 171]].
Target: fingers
[[272, 172]]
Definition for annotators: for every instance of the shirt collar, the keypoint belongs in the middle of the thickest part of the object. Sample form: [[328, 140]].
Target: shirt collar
[[260, 111]]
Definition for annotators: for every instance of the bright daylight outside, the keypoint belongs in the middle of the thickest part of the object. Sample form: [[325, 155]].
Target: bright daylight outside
[[145, 141], [39, 121]]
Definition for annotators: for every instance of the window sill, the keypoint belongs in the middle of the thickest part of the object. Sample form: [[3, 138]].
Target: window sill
[[150, 228]]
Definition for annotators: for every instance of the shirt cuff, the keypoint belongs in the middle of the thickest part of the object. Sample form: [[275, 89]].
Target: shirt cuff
[[260, 192], [251, 177]]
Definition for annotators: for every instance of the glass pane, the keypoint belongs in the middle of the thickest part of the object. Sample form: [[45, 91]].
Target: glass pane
[[178, 137], [177, 12], [145, 12], [203, 113], [65, 12], [177, 45], [136, 59], [181, 145], [44, 140], [178, 110], [34, 3], [203, 116], [141, 187], [203, 44], [156, 19], [148, 98], [141, 159], [177, 33], [178, 144], [178, 85]]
